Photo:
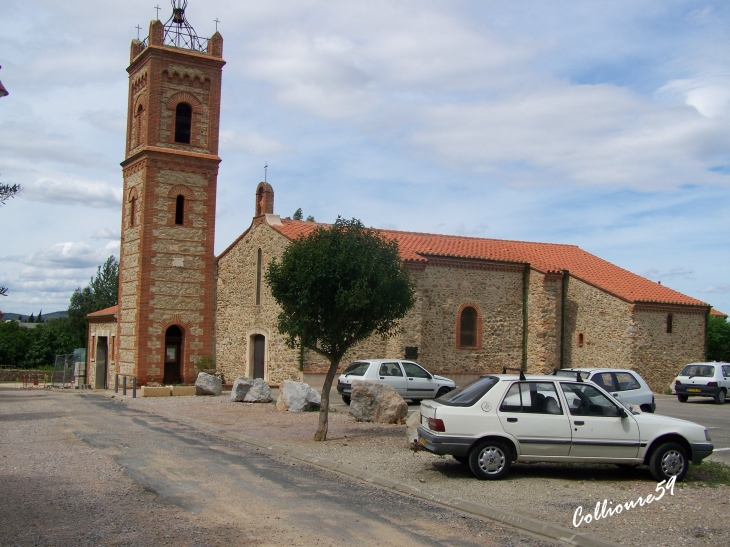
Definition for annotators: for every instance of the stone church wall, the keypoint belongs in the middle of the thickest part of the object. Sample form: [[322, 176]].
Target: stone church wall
[[544, 303], [605, 323], [658, 355]]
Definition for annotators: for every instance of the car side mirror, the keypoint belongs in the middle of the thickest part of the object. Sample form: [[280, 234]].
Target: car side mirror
[[622, 413]]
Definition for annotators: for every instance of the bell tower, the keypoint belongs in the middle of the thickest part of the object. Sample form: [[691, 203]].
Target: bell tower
[[170, 170]]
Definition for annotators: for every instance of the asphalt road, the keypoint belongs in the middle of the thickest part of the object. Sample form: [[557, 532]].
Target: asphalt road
[[88, 470]]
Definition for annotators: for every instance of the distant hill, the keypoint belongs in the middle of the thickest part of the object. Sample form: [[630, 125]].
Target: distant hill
[[46, 316]]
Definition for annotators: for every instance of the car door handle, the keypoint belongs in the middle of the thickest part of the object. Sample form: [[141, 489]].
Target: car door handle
[[579, 423], [410, 378], [382, 377], [614, 394], [512, 420]]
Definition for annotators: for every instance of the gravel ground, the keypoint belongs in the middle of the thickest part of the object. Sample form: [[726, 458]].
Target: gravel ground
[[696, 515]]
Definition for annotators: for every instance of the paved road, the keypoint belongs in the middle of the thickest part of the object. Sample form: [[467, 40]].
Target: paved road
[[83, 469], [716, 418]]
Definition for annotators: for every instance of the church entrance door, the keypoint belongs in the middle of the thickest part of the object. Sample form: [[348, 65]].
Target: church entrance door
[[259, 347], [173, 357], [102, 351]]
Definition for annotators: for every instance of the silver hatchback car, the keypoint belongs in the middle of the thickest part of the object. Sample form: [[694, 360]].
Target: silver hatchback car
[[409, 379], [625, 385]]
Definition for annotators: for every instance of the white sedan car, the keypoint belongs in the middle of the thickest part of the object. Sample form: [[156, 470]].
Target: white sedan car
[[703, 380], [625, 385], [409, 379], [501, 418]]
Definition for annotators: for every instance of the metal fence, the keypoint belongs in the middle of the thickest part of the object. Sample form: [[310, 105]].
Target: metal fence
[[63, 371]]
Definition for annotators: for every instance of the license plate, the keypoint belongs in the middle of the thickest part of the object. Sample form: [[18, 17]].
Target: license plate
[[422, 440], [694, 390]]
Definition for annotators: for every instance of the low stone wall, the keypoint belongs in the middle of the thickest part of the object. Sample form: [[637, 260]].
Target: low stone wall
[[13, 374]]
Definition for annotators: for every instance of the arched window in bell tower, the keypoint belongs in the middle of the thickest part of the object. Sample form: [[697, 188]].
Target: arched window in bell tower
[[138, 123], [183, 121], [179, 209]]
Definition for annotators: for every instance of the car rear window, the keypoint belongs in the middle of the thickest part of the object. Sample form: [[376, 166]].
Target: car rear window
[[357, 368], [707, 371], [470, 393]]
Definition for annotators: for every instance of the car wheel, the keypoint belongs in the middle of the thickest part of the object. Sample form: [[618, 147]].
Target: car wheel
[[646, 408], [490, 460], [463, 460], [346, 399], [682, 398], [669, 460], [442, 391], [720, 397]]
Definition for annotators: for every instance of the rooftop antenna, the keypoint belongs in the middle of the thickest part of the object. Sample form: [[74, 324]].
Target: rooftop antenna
[[266, 167]]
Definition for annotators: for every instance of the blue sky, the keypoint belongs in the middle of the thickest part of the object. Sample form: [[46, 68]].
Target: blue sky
[[600, 124]]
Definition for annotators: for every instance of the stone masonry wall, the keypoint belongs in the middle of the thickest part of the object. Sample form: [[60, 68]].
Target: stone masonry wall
[[544, 303], [606, 324], [658, 355]]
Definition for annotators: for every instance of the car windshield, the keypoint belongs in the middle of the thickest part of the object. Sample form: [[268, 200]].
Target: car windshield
[[470, 393], [357, 368], [571, 373], [698, 370]]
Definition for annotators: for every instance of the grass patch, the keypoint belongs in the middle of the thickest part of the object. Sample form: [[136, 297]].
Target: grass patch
[[708, 474], [313, 408]]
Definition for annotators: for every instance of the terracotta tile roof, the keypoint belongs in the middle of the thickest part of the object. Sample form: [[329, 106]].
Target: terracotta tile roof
[[713, 311], [546, 257], [112, 310]]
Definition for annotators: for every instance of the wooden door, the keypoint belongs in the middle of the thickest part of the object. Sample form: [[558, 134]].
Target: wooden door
[[259, 349], [100, 382]]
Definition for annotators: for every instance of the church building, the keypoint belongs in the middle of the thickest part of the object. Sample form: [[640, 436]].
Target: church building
[[481, 304]]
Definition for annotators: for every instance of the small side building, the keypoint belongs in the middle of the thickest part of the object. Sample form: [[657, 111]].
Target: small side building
[[101, 349]]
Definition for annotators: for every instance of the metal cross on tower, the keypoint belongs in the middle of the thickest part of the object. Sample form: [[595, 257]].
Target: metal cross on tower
[[266, 168], [138, 29], [216, 24], [158, 8]]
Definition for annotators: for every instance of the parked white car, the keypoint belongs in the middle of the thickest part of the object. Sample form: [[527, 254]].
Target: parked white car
[[409, 379], [501, 418], [625, 385], [703, 380]]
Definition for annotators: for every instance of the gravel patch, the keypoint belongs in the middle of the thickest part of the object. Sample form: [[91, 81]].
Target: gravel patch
[[695, 516]]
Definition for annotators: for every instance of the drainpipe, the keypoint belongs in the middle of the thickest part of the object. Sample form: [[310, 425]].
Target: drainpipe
[[563, 300], [525, 293], [707, 318]]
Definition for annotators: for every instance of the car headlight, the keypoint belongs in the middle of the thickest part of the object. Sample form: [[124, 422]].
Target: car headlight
[[707, 435]]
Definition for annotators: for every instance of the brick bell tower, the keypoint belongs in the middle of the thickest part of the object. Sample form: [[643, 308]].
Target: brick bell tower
[[166, 270]]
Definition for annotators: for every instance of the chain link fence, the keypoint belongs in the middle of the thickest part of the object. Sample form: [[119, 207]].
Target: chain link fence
[[63, 371]]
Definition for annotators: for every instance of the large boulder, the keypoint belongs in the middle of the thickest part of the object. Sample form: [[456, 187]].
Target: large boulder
[[374, 402], [260, 392], [297, 397], [241, 386], [207, 384]]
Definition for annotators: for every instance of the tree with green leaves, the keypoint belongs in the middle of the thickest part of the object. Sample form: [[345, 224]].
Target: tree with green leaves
[[100, 293], [336, 287], [298, 215], [7, 191], [31, 319], [718, 338]]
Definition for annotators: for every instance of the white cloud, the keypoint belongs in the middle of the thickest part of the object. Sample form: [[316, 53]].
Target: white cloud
[[106, 233], [252, 143], [717, 289], [69, 255], [75, 192], [672, 273]]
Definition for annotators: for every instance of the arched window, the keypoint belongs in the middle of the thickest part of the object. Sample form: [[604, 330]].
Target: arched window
[[132, 212], [179, 209], [183, 120], [138, 125], [258, 278], [260, 201], [581, 339], [468, 328], [670, 323]]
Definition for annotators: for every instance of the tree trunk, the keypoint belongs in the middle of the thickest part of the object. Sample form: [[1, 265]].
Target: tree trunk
[[324, 408]]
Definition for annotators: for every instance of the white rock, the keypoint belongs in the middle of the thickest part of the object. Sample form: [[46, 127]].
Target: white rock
[[412, 423], [374, 402], [241, 387], [207, 384], [296, 397], [260, 392]]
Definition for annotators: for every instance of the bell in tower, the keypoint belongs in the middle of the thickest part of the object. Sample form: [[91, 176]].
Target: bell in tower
[[170, 171]]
